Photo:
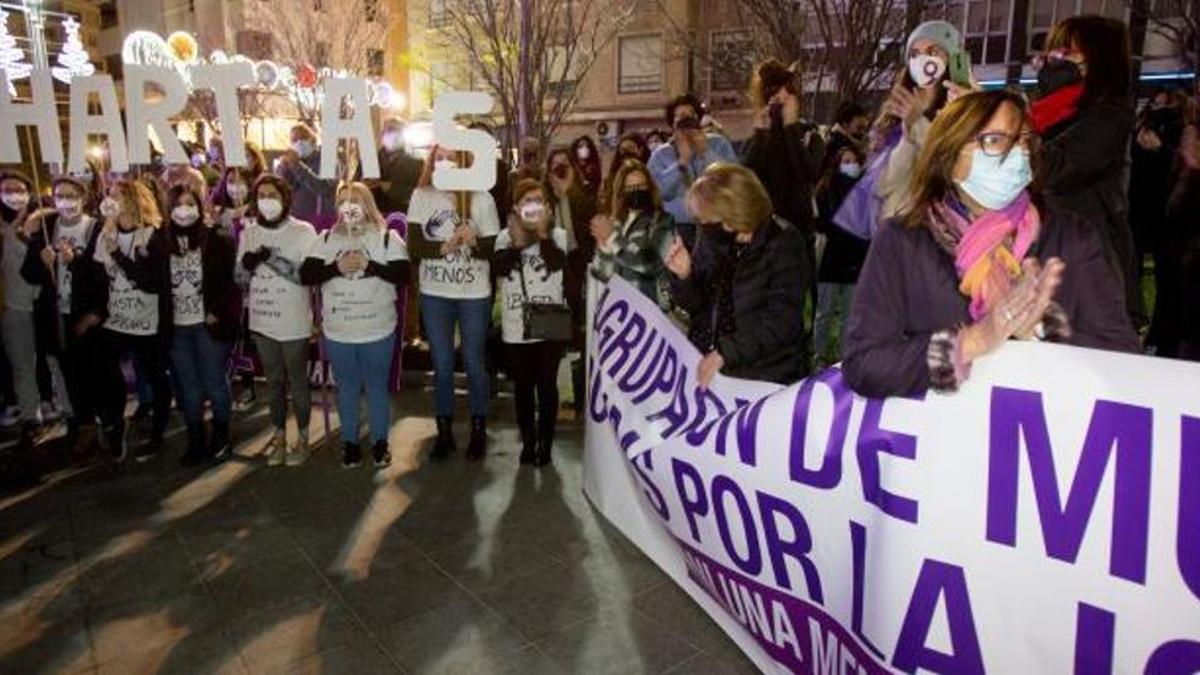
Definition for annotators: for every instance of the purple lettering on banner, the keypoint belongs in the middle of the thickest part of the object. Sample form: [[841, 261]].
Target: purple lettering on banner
[[627, 439], [597, 402], [600, 314], [1187, 537], [1115, 428], [695, 501], [629, 383], [606, 332], [872, 440], [697, 434], [1095, 633], [797, 548], [858, 552], [1177, 657], [751, 563], [676, 412], [643, 466], [779, 622], [830, 472], [939, 581], [746, 429], [665, 376], [624, 343]]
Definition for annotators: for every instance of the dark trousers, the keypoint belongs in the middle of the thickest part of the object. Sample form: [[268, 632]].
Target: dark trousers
[[78, 357], [533, 368], [151, 351]]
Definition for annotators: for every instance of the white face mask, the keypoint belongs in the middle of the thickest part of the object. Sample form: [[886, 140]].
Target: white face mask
[[15, 200], [583, 152], [926, 70], [110, 208], [237, 192], [351, 212], [197, 160], [995, 182], [68, 208], [531, 212], [303, 148], [270, 208], [392, 141], [850, 169], [185, 215]]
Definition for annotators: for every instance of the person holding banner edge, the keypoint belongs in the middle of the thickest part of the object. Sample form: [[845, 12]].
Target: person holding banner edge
[[745, 282], [976, 259]]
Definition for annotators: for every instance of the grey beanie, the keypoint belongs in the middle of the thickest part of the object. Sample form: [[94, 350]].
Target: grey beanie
[[942, 33]]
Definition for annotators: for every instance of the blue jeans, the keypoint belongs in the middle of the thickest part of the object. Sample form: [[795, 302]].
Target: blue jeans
[[357, 367], [200, 364], [440, 315]]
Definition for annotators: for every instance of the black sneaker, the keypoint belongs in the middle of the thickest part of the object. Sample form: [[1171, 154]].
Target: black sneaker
[[477, 445], [381, 454], [115, 441], [351, 455], [220, 446]]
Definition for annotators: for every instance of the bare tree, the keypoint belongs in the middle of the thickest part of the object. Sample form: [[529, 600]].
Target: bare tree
[[858, 37], [532, 53], [1177, 21], [335, 35]]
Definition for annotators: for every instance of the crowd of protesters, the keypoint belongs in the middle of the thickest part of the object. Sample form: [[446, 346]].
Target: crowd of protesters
[[905, 244]]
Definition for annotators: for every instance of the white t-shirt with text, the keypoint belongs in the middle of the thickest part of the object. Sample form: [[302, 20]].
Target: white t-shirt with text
[[457, 275], [187, 280], [280, 308], [358, 309], [131, 310], [542, 286], [76, 237]]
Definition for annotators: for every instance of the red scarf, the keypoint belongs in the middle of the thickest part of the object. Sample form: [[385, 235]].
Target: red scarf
[[1049, 110]]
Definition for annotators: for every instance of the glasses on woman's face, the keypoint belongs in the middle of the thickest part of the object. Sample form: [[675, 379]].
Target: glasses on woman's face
[[1000, 143]]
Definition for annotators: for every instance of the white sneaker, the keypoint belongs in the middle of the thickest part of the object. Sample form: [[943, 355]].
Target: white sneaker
[[298, 453], [276, 449]]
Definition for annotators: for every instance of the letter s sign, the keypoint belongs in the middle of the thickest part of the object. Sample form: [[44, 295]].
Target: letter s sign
[[481, 175]]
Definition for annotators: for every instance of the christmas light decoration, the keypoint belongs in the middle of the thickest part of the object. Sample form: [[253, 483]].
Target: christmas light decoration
[[12, 58], [73, 60]]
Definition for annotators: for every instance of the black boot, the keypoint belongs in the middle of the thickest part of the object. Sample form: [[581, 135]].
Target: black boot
[[477, 447], [196, 452], [544, 442], [444, 444], [528, 446], [220, 447]]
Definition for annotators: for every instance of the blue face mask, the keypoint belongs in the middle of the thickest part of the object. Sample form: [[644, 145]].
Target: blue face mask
[[995, 181]]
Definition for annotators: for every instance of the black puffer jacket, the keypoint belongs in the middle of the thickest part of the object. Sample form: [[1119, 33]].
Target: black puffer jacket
[[1083, 166], [770, 282]]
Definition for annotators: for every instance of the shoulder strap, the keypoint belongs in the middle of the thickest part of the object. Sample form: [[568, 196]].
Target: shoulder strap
[[521, 272]]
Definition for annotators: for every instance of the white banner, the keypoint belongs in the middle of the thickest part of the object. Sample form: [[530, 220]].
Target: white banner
[[1044, 519]]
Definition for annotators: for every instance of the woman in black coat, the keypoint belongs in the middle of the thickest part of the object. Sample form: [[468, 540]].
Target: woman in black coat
[[744, 284], [1085, 123]]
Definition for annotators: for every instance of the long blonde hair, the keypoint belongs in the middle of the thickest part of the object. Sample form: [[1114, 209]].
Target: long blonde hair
[[374, 219], [145, 206]]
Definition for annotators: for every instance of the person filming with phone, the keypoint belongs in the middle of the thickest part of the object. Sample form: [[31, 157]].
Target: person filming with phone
[[937, 70], [677, 164]]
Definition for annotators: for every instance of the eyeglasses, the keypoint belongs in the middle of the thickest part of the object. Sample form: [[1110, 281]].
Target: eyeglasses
[[998, 143]]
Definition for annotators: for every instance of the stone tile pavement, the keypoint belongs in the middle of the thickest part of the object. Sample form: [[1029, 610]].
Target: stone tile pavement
[[423, 568]]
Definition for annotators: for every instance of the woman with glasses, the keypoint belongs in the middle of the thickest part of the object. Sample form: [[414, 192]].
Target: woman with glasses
[[976, 260]]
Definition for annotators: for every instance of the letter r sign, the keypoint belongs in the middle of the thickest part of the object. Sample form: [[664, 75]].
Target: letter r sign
[[481, 175]]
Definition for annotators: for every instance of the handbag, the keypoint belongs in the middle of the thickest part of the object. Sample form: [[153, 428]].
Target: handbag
[[547, 321]]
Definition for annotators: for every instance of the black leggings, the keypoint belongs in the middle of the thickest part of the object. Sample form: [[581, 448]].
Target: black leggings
[[533, 368], [112, 390]]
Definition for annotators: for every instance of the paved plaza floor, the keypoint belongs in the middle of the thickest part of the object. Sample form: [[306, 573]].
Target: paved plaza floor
[[424, 568]]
